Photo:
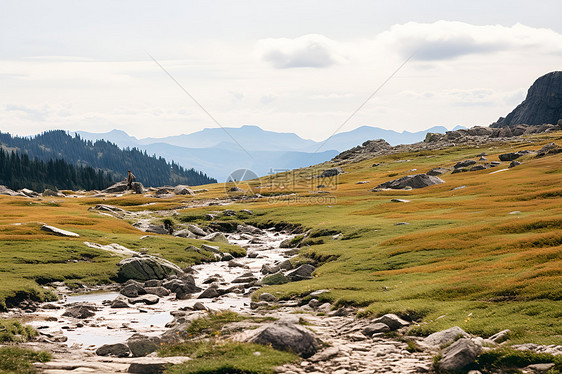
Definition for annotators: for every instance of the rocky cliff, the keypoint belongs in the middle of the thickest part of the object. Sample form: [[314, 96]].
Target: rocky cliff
[[543, 103]]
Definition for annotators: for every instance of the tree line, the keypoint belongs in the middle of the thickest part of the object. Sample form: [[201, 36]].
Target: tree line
[[19, 171], [104, 155]]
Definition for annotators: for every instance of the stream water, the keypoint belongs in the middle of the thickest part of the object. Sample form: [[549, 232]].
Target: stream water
[[110, 326]]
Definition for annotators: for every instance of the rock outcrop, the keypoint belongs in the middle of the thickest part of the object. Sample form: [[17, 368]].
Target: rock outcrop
[[543, 103], [146, 267], [413, 181]]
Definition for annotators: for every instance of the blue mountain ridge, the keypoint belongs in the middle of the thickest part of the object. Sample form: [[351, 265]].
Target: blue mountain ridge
[[220, 151]]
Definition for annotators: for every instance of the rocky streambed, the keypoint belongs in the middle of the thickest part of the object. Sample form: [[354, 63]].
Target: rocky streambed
[[118, 328]]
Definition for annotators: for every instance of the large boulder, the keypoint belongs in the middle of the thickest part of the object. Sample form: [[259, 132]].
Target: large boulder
[[301, 273], [464, 164], [459, 354], [116, 350], [549, 149], [183, 288], [413, 181], [181, 189], [6, 191], [132, 288], [116, 188], [331, 172], [80, 311], [392, 321], [287, 337], [440, 338], [217, 237], [141, 345], [146, 267]]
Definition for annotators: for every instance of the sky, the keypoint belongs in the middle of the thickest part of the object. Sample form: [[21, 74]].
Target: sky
[[291, 66]]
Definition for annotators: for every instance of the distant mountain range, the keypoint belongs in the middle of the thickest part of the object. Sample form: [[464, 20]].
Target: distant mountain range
[[218, 152]]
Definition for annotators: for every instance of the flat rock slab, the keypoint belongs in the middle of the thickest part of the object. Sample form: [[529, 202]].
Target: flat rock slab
[[59, 232]]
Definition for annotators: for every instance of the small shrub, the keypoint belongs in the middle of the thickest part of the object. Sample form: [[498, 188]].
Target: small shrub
[[19, 361]]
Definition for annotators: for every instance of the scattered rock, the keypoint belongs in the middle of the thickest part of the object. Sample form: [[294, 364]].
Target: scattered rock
[[145, 299], [268, 297], [438, 171], [147, 267], [413, 181], [392, 321], [217, 237], [59, 232], [287, 337], [549, 149], [461, 353], [444, 337], [331, 172], [399, 201], [211, 248], [132, 288], [141, 345], [540, 367], [6, 191], [119, 302], [275, 279], [514, 164], [157, 229], [301, 273], [181, 189], [512, 155], [500, 336], [80, 311], [50, 193], [325, 355], [115, 350], [464, 164], [374, 328], [209, 293]]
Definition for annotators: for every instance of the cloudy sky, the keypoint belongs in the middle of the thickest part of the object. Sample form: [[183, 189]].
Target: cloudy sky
[[296, 66]]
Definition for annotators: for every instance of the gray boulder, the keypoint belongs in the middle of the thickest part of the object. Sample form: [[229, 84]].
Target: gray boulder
[[514, 163], [119, 302], [211, 248], [331, 172], [464, 164], [217, 237], [145, 299], [444, 337], [500, 336], [185, 233], [549, 149], [512, 155], [274, 279], [116, 188], [374, 328], [50, 193], [158, 291], [196, 230], [413, 181], [132, 289], [181, 189], [437, 171], [210, 293], [141, 345], [459, 354], [287, 337], [268, 297], [392, 321], [80, 311], [115, 350], [183, 288], [6, 191], [157, 229], [301, 273], [286, 265], [147, 267]]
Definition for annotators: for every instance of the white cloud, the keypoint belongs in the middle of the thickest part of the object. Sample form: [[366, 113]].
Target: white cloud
[[443, 40], [313, 50]]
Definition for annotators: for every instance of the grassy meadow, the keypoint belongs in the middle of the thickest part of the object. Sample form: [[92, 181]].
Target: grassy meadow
[[485, 257]]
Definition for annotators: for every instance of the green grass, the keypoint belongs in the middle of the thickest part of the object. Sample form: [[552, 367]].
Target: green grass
[[14, 360], [12, 330], [212, 324], [505, 359], [214, 357]]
